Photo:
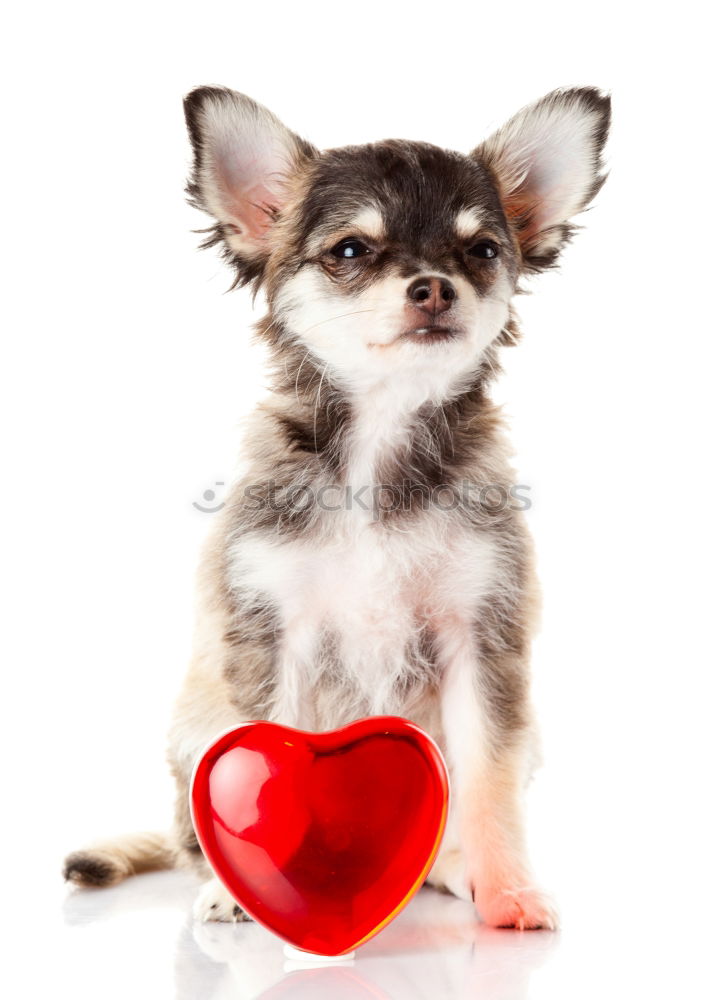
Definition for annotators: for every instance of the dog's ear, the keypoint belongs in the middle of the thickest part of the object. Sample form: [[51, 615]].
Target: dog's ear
[[547, 161], [244, 158]]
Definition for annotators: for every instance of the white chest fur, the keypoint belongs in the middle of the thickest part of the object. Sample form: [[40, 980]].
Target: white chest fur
[[372, 590]]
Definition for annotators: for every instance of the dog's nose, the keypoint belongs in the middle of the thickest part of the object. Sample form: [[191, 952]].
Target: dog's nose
[[434, 295]]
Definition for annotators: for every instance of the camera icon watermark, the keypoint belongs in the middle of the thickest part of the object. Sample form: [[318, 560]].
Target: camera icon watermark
[[211, 501]]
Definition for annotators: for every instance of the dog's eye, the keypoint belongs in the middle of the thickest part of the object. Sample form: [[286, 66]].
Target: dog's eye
[[486, 250], [350, 248]]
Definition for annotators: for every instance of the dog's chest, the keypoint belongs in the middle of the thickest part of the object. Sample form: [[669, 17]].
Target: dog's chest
[[363, 602]]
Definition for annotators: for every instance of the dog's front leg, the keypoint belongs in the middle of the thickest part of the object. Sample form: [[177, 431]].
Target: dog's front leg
[[292, 703], [488, 735]]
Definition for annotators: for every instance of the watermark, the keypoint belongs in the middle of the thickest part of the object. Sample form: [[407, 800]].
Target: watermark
[[210, 503], [377, 499]]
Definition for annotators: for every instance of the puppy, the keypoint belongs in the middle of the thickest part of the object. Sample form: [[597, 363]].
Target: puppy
[[373, 559]]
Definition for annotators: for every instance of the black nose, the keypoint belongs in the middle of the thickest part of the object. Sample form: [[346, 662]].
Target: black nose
[[434, 295]]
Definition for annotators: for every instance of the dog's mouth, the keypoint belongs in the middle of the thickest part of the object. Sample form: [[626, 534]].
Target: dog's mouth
[[432, 334]]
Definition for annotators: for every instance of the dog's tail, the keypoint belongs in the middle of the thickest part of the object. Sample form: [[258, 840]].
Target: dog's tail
[[110, 862]]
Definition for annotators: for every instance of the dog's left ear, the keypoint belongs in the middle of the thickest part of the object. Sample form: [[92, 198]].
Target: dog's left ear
[[244, 160], [547, 161]]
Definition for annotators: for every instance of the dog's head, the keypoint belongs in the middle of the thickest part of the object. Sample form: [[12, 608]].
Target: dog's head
[[396, 257]]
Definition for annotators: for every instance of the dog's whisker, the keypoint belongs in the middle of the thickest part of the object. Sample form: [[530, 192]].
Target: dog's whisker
[[297, 376], [317, 404], [334, 319]]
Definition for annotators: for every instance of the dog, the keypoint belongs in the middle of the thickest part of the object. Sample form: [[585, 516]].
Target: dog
[[360, 566]]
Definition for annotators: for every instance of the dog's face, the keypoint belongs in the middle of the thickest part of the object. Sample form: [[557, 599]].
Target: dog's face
[[397, 258]]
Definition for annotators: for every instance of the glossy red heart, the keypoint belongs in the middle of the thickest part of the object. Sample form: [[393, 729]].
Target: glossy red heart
[[322, 837]]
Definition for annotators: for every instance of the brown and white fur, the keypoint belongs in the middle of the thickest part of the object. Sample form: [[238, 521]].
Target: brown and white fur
[[358, 568]]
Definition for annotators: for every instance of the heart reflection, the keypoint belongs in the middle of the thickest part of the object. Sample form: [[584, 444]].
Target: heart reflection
[[324, 984], [246, 962]]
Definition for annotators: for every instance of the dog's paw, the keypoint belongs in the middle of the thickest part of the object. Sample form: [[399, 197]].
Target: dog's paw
[[449, 874], [524, 908], [214, 902]]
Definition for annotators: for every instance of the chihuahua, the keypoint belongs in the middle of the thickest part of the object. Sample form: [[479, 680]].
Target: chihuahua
[[372, 559]]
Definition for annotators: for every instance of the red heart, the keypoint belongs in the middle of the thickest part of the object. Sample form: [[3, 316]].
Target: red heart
[[322, 837]]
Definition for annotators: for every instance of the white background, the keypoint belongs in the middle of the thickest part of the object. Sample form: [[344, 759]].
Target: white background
[[126, 372]]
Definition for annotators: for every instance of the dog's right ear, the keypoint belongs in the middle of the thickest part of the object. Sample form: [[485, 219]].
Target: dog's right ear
[[244, 158], [548, 163]]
